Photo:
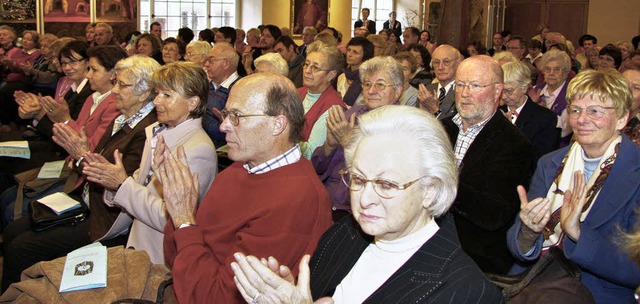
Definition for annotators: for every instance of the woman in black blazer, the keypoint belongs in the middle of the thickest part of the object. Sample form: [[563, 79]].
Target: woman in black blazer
[[400, 246]]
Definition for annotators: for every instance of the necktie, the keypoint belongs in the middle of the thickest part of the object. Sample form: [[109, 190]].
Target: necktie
[[514, 116], [443, 92]]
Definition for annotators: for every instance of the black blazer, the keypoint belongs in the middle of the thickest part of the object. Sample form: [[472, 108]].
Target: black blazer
[[396, 28], [538, 123], [371, 26], [498, 160], [439, 272]]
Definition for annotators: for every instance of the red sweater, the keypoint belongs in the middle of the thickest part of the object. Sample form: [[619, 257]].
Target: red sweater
[[281, 213]]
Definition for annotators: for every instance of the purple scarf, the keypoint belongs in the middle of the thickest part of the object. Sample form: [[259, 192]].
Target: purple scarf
[[354, 89]]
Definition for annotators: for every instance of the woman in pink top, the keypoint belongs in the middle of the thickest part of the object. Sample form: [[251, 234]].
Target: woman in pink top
[[15, 78]]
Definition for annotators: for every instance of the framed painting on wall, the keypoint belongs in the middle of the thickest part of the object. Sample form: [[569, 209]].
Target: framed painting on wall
[[67, 11], [309, 13], [116, 10], [122, 15]]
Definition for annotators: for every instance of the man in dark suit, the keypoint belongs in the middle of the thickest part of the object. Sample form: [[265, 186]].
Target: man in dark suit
[[493, 157], [365, 22], [498, 44], [393, 25], [439, 98]]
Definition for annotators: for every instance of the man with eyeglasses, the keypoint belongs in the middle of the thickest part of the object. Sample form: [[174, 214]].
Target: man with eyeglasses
[[493, 158], [518, 47], [439, 98], [104, 34], [270, 202], [221, 67], [308, 33]]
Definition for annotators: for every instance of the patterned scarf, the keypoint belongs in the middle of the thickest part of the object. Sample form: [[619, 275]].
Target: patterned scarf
[[563, 181]]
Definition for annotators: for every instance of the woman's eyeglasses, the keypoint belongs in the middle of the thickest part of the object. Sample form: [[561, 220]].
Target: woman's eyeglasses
[[383, 187]]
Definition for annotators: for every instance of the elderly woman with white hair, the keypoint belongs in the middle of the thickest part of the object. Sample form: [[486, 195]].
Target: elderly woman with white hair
[[272, 62], [320, 68], [555, 66], [399, 246], [197, 52], [382, 81], [536, 122], [121, 143]]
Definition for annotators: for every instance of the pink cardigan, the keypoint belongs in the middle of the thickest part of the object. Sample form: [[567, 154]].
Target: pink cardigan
[[95, 124], [20, 57]]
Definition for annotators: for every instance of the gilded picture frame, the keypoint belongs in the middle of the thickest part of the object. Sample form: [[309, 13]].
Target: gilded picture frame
[[308, 13]]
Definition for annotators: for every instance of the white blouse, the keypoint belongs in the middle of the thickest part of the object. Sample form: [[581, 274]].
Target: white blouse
[[379, 261]]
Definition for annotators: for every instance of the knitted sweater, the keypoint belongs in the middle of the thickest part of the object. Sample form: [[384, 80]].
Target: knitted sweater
[[281, 213]]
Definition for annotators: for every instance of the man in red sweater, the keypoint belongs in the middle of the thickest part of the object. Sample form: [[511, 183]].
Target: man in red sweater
[[269, 202]]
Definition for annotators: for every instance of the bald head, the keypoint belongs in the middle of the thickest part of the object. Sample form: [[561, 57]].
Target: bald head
[[554, 38], [228, 51], [486, 65], [279, 97], [222, 61], [478, 88], [445, 60], [264, 118]]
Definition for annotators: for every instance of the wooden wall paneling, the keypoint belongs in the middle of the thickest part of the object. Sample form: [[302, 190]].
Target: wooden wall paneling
[[454, 28], [523, 18], [569, 18]]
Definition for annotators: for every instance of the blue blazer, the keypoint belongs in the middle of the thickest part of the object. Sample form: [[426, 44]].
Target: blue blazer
[[606, 269]]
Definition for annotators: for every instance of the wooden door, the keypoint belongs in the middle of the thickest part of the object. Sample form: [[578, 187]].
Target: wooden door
[[568, 17]]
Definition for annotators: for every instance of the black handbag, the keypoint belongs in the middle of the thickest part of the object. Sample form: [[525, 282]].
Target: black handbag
[[43, 218]]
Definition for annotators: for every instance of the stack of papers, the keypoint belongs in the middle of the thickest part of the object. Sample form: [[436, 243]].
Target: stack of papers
[[15, 149], [85, 268], [59, 202]]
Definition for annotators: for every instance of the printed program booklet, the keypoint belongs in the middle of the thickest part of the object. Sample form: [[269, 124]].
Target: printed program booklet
[[59, 203], [85, 268]]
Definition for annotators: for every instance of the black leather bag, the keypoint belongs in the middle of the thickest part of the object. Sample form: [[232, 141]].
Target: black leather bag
[[43, 218]]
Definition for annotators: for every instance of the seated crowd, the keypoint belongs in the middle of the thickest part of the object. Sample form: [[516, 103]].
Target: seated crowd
[[389, 169]]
